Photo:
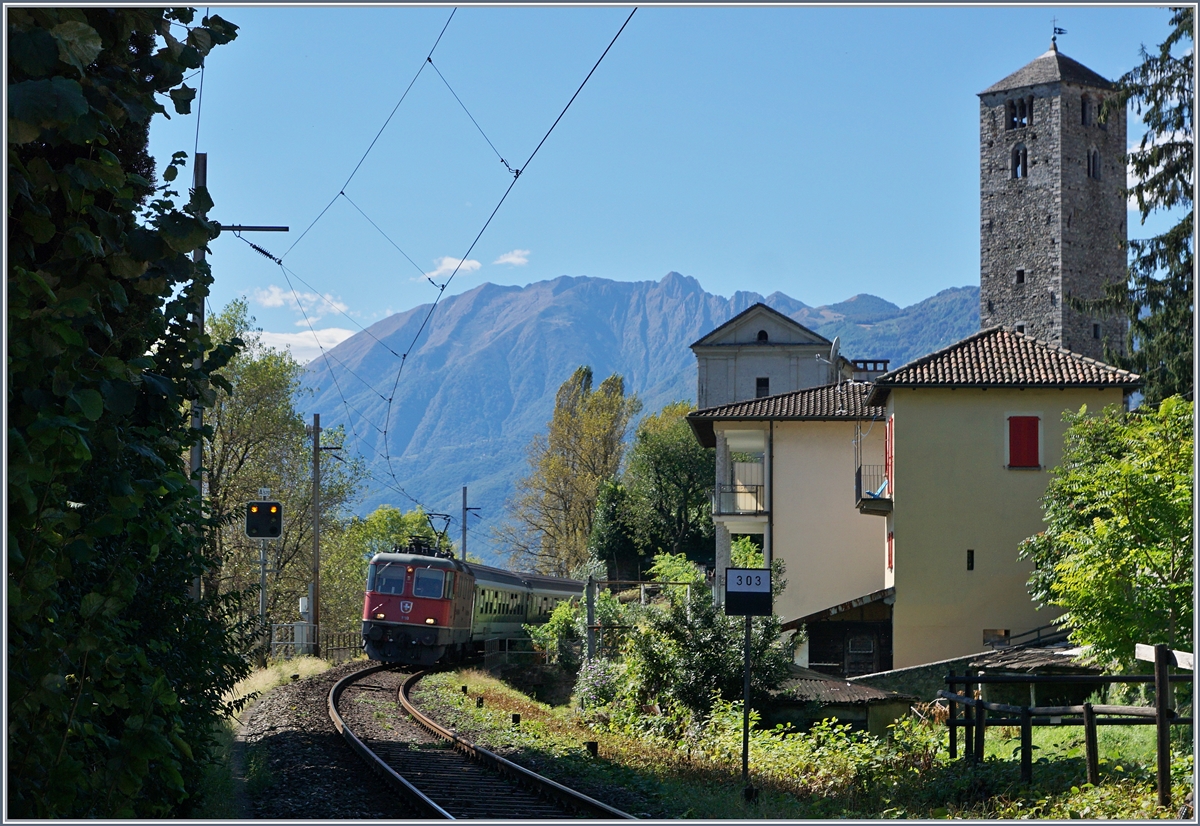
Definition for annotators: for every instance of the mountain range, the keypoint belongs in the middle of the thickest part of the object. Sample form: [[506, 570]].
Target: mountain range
[[481, 381]]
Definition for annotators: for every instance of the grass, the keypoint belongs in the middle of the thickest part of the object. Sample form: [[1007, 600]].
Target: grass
[[218, 790], [827, 773]]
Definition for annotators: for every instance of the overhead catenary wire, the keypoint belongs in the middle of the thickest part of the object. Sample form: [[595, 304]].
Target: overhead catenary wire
[[385, 431], [472, 117], [388, 238], [341, 189], [467, 254]]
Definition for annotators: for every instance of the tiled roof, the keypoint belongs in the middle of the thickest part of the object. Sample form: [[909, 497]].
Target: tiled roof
[[807, 686], [1003, 358], [1034, 659], [846, 400], [1049, 68]]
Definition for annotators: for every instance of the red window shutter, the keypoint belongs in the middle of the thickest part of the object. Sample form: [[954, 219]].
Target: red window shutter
[[1022, 441], [891, 550]]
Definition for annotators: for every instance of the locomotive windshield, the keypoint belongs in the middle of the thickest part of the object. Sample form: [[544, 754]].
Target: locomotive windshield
[[387, 578], [427, 582]]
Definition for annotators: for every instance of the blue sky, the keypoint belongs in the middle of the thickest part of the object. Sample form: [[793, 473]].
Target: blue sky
[[822, 152]]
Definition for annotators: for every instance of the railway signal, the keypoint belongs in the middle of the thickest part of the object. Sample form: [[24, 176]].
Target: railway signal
[[264, 520]]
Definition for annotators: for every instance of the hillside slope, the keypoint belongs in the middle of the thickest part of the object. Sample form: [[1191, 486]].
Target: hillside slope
[[482, 380]]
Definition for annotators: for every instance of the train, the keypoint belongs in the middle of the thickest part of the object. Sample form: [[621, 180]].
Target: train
[[422, 606]]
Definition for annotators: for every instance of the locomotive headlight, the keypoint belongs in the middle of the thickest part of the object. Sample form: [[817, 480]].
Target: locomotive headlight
[[430, 621], [380, 615]]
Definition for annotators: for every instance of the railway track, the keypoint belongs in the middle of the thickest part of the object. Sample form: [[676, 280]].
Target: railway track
[[441, 774]]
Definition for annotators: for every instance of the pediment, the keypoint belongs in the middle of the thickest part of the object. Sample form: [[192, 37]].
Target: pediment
[[744, 328]]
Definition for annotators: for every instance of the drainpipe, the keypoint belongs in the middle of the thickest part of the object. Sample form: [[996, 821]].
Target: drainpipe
[[769, 536]]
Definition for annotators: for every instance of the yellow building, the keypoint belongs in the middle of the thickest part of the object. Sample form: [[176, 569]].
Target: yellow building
[[785, 466], [971, 434]]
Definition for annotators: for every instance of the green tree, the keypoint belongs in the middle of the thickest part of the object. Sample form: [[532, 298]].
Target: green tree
[[669, 476], [260, 441], [346, 553], [550, 517], [1116, 554], [115, 675], [612, 538], [689, 652], [1158, 299]]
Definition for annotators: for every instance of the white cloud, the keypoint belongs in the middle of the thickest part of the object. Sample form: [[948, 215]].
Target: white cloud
[[446, 265], [315, 306], [516, 258], [303, 346]]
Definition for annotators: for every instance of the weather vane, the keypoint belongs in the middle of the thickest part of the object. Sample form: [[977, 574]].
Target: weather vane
[[1057, 30]]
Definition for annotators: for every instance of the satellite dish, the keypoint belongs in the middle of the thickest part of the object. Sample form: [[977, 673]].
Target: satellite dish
[[833, 359]]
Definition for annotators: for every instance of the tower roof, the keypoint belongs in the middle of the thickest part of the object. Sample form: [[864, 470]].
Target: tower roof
[[1050, 68]]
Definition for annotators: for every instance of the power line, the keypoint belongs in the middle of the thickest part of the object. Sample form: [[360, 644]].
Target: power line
[[442, 289], [389, 240], [472, 117], [376, 138]]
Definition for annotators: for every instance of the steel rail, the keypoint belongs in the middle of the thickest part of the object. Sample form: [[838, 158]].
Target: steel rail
[[426, 807], [568, 797]]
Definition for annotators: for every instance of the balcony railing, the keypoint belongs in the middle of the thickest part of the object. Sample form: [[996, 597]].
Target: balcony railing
[[738, 499], [872, 493]]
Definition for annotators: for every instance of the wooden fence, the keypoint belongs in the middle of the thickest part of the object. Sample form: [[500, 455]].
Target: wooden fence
[[975, 714]]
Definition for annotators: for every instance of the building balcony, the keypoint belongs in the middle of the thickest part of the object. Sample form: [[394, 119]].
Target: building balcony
[[737, 499], [872, 492]]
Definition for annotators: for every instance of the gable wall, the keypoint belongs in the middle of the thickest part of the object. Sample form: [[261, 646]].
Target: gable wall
[[952, 492]]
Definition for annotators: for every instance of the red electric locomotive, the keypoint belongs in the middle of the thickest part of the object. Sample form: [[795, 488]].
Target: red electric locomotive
[[422, 605]]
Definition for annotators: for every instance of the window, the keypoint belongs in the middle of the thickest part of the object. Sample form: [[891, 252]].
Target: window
[[762, 387], [1020, 161], [970, 559], [387, 578], [1020, 327], [1095, 331], [427, 582], [1085, 111], [762, 336], [1020, 276], [1023, 441], [1093, 164]]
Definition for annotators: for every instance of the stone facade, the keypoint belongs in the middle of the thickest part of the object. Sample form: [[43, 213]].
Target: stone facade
[[1052, 206]]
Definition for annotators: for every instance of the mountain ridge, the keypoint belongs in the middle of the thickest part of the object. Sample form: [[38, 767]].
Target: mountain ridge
[[481, 381]]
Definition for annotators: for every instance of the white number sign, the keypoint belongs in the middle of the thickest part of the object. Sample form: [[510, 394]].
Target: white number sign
[[749, 580]]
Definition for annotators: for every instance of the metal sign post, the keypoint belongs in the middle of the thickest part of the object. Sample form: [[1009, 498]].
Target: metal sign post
[[747, 594]]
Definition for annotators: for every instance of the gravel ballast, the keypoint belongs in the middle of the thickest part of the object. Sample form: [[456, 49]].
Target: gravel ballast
[[298, 766]]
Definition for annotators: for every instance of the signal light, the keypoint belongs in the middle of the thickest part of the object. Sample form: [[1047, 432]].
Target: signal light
[[264, 520]]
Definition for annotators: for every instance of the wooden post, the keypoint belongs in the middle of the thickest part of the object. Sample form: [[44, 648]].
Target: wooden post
[[591, 617], [968, 730], [952, 720], [980, 718], [1091, 750], [1026, 745], [1162, 719]]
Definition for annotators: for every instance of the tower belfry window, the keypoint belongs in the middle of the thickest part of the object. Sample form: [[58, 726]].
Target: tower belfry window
[[762, 336], [1085, 111], [1093, 164], [1020, 161]]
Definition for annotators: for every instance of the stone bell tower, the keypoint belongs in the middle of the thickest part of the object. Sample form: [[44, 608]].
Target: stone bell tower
[[1051, 203]]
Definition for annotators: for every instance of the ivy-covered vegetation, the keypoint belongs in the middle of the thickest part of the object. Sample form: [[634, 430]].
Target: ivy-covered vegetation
[[115, 674]]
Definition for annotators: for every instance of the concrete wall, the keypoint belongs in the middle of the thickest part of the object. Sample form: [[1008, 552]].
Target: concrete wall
[[922, 681], [833, 554], [729, 374], [952, 493]]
